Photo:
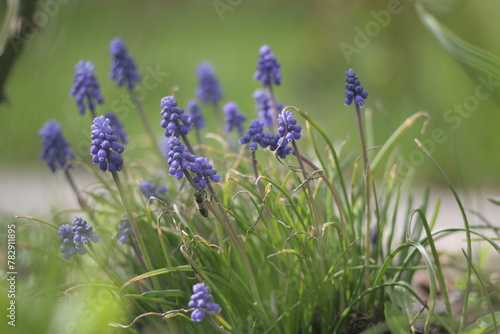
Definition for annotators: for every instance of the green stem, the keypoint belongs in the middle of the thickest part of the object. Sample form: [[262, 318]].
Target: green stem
[[72, 183], [145, 122], [133, 222], [367, 199]]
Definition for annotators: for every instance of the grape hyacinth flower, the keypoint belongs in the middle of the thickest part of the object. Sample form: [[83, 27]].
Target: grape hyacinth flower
[[264, 107], [83, 234], [175, 122], [204, 172], [195, 114], [117, 127], [86, 87], [151, 189], [288, 129], [268, 67], [105, 149], [74, 237], [234, 118], [178, 157], [123, 68], [66, 238], [55, 149], [201, 301], [209, 89], [125, 231], [354, 90], [254, 134]]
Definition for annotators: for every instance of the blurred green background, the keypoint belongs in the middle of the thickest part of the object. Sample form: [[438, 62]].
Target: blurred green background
[[401, 65]]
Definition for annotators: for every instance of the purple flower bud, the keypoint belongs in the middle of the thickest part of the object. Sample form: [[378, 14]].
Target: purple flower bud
[[123, 69], [201, 300], [268, 67], [86, 86], [209, 90], [173, 120], [105, 146], [354, 90], [55, 149], [234, 117]]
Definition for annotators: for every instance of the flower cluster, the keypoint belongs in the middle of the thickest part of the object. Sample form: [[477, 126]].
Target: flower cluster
[[255, 136], [73, 238], [354, 90], [209, 90], [234, 117], [181, 161], [268, 67], [287, 128], [105, 147], [178, 157], [201, 301], [125, 231], [86, 87], [151, 189], [117, 127], [195, 114], [204, 171], [123, 68], [55, 149], [174, 120], [264, 108]]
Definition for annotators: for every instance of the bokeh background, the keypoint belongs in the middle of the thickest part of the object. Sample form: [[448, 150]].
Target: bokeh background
[[401, 64]]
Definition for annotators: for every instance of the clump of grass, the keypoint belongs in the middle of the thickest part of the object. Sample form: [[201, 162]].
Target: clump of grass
[[288, 238]]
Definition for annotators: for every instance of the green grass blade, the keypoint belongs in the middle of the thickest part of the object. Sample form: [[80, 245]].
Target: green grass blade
[[463, 51]]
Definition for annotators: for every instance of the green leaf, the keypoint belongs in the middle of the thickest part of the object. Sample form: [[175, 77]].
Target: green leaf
[[396, 320], [466, 53], [165, 293], [494, 200], [483, 324]]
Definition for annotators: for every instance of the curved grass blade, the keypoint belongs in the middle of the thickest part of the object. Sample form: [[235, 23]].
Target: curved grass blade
[[466, 53]]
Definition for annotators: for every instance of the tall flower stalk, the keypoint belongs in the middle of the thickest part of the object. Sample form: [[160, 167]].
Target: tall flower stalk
[[209, 90], [58, 154], [86, 88], [268, 72], [355, 93], [105, 151], [124, 73]]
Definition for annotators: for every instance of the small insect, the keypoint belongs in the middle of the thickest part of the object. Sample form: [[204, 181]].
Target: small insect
[[200, 197]]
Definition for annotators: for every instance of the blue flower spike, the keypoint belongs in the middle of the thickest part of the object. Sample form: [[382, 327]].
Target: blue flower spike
[[354, 90], [263, 104], [105, 149], [268, 68], [234, 117], [174, 120], [73, 238], [195, 114], [201, 301], [55, 149], [178, 157], [86, 88], [151, 189], [209, 90], [123, 68]]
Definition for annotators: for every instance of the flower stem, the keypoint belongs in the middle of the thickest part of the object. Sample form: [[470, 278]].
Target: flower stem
[[133, 222], [273, 106], [367, 197], [145, 122], [72, 183]]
